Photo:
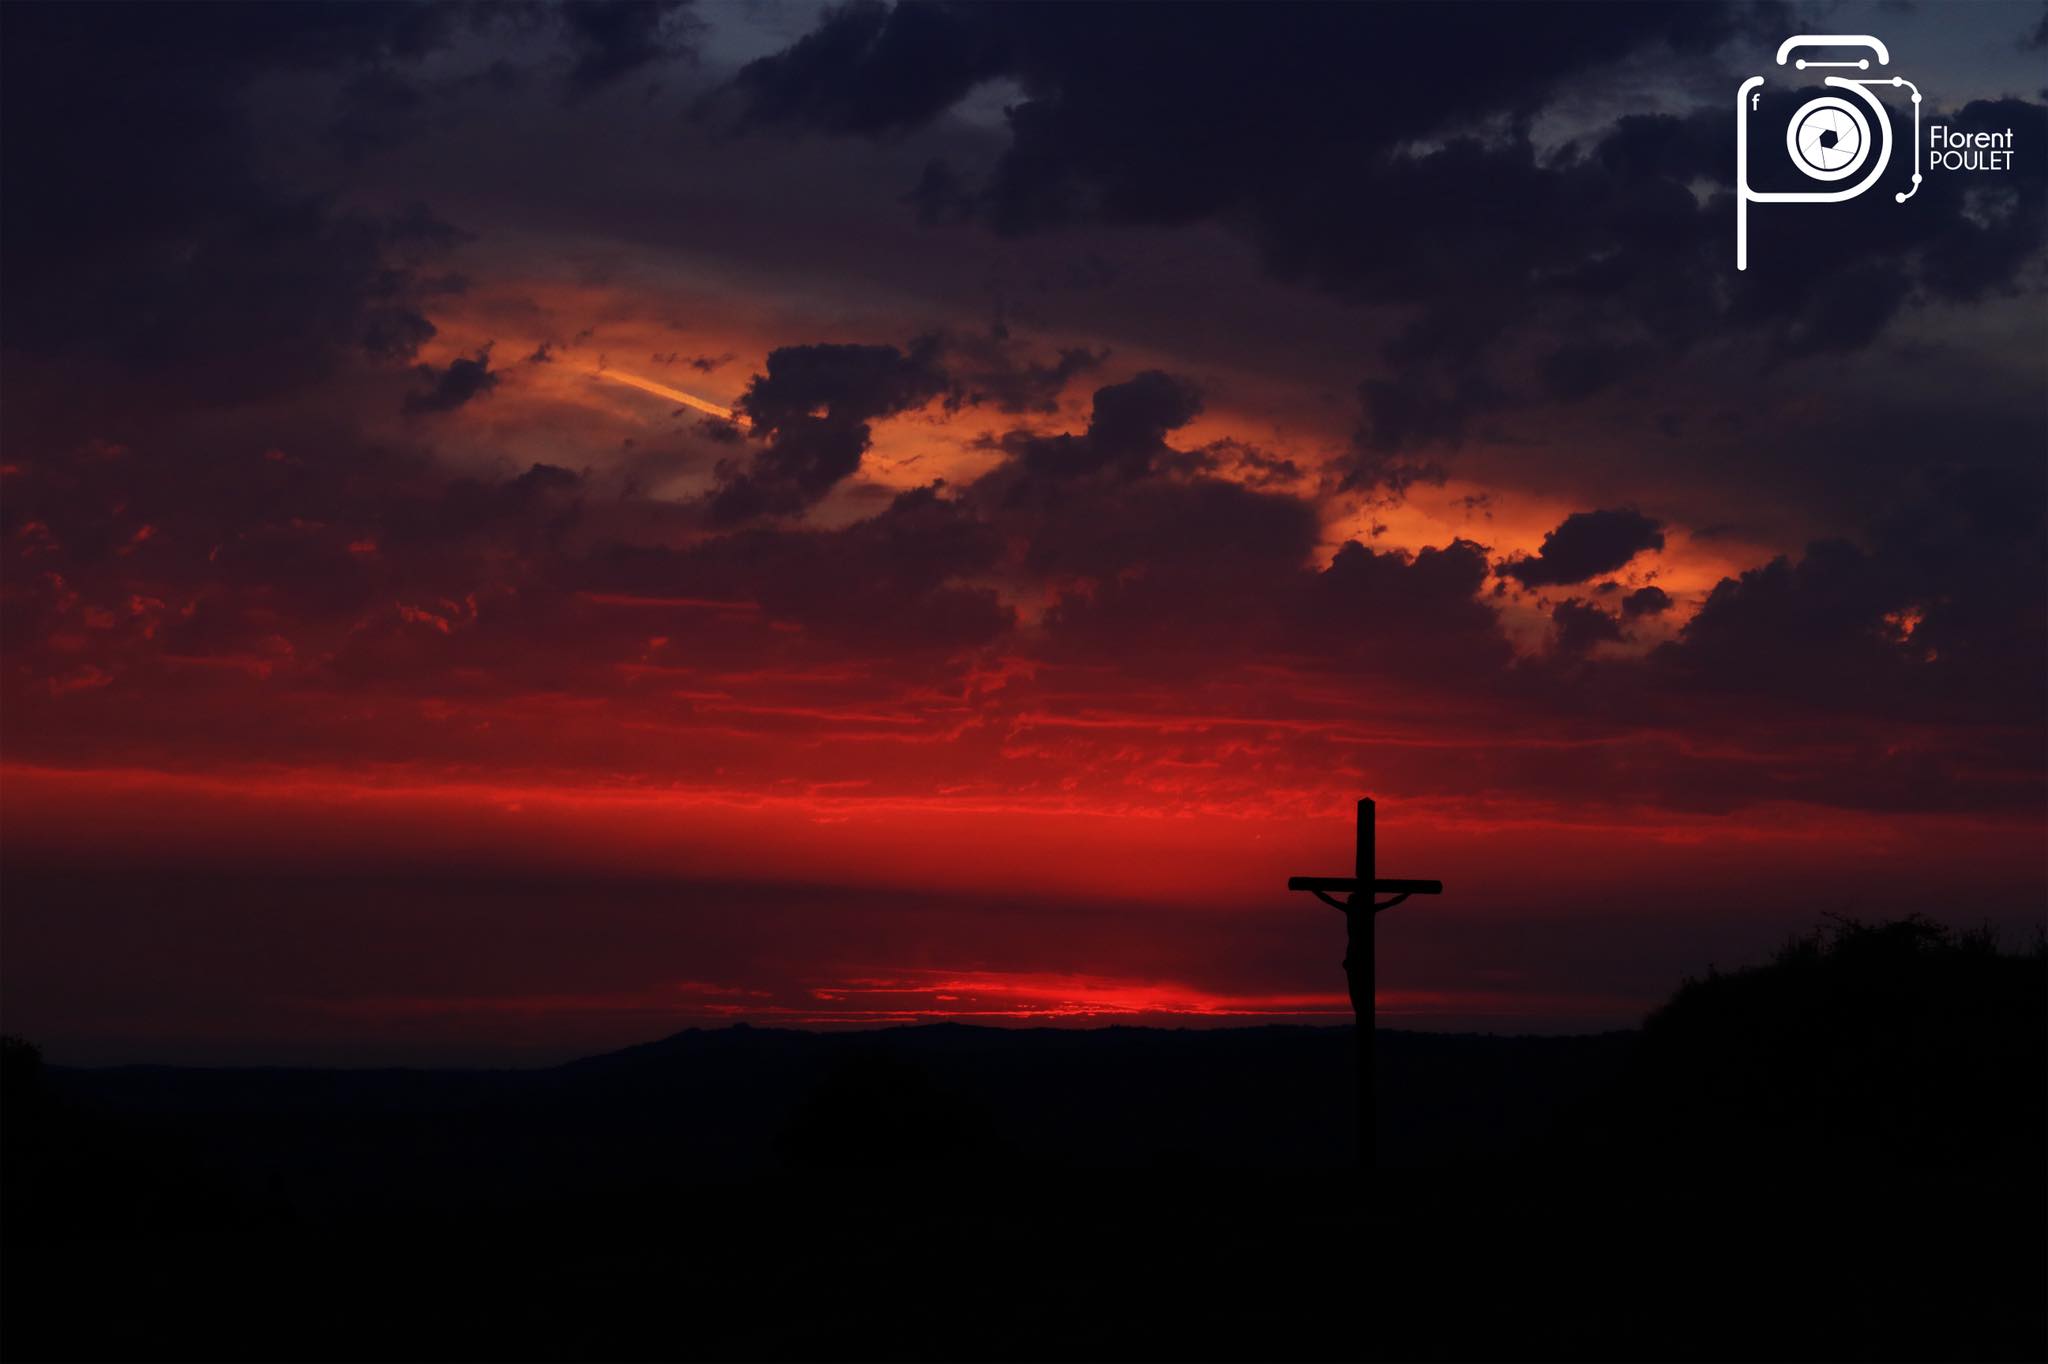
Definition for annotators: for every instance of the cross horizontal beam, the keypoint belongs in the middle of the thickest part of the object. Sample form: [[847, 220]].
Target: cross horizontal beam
[[1351, 885]]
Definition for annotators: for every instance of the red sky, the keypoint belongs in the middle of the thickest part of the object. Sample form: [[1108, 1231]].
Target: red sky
[[404, 661]]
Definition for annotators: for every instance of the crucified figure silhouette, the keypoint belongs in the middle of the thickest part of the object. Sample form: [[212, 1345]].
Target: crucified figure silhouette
[[1358, 907]]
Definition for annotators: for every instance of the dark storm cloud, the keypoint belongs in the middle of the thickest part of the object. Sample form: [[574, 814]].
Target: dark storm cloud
[[1391, 190], [842, 383], [1817, 620], [453, 384], [1943, 614], [1893, 673], [1245, 463], [719, 431], [940, 196], [1122, 116], [376, 110], [1122, 123], [266, 586], [126, 570], [1580, 625], [1167, 568], [1126, 432], [1229, 601], [1117, 501], [1585, 545], [613, 39], [1645, 601], [879, 586], [1614, 249], [1402, 414], [148, 229], [872, 69], [338, 560], [802, 464], [813, 408], [993, 369], [1198, 534], [1579, 370], [1413, 615], [1134, 416], [398, 334], [138, 232], [1154, 561], [536, 506]]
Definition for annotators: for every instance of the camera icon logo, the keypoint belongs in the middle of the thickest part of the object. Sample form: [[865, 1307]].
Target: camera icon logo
[[1829, 139]]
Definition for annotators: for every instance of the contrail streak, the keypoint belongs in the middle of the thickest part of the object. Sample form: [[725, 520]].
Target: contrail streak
[[675, 395]]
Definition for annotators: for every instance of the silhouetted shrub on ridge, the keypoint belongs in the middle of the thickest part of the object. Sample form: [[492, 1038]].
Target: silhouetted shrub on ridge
[[1900, 1042]]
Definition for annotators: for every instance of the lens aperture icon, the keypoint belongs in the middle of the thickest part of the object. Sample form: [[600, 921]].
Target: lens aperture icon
[[1828, 138]]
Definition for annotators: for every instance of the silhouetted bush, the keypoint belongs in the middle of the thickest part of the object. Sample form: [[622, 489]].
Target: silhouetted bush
[[1899, 1042]]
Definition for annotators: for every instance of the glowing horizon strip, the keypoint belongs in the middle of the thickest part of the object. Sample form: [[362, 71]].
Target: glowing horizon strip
[[619, 376]]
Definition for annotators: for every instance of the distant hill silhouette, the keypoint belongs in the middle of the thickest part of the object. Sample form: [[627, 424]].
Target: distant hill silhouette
[[1833, 1155]]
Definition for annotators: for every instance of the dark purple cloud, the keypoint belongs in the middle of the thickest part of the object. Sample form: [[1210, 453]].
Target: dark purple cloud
[[993, 370], [813, 408], [1618, 266], [1586, 545], [1645, 601], [447, 387], [614, 39], [1580, 625], [146, 239], [1126, 434]]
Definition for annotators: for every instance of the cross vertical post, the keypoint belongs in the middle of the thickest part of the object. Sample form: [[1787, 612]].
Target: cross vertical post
[[1359, 907], [1361, 975]]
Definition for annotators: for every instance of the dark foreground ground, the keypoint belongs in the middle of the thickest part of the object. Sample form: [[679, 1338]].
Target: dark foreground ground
[[1811, 1189]]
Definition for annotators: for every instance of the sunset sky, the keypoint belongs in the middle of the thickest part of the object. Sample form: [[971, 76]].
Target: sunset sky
[[530, 528]]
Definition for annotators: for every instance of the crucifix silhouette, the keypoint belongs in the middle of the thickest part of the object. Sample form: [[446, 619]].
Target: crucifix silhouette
[[1358, 907]]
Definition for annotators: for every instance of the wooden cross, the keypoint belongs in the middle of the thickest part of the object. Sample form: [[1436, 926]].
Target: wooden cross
[[1358, 906]]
